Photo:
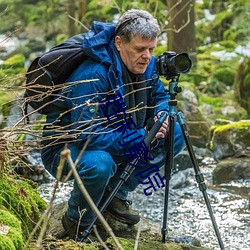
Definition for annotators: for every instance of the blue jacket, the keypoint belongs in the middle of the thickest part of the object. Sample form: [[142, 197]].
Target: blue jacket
[[85, 118]]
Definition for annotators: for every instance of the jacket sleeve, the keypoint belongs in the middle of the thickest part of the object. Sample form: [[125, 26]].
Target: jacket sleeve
[[88, 122]]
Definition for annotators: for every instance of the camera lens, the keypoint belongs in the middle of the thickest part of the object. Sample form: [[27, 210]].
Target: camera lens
[[171, 64], [182, 63]]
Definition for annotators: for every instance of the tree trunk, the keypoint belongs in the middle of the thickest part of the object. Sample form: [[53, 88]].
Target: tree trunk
[[181, 27], [71, 6], [83, 7]]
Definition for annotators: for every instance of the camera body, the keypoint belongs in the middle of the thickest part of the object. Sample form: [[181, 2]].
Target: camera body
[[171, 65]]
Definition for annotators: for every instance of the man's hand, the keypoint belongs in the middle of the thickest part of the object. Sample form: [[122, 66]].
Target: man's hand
[[164, 128]]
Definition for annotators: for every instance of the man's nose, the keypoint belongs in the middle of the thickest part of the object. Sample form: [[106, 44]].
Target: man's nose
[[146, 54]]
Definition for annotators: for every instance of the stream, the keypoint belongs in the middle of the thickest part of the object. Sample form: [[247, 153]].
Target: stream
[[187, 212]]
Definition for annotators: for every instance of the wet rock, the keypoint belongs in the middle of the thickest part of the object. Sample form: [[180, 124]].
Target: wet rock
[[181, 179], [231, 169]]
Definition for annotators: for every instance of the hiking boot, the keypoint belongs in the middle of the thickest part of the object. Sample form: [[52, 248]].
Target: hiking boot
[[75, 231], [121, 211]]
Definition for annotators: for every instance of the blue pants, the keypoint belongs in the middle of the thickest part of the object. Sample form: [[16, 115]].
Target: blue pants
[[99, 170]]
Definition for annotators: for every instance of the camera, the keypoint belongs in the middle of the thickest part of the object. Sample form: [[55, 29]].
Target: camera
[[171, 65]]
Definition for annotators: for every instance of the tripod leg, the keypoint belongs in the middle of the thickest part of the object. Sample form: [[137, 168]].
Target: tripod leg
[[199, 176], [168, 173]]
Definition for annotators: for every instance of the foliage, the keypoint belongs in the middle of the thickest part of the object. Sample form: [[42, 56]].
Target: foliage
[[227, 21]]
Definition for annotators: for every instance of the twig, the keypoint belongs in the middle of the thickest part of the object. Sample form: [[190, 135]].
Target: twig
[[66, 154], [99, 238], [137, 236], [77, 21]]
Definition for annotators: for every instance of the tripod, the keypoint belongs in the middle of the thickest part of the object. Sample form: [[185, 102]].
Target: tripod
[[173, 90]]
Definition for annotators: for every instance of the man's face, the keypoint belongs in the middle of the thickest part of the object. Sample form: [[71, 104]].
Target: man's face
[[137, 53]]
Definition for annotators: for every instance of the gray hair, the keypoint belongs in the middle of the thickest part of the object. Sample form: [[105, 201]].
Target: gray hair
[[137, 22]]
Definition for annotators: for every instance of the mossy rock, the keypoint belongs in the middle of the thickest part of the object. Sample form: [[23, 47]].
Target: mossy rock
[[128, 244], [11, 237], [21, 199], [219, 107], [232, 139]]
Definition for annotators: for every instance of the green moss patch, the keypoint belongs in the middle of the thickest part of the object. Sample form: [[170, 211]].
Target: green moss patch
[[22, 200], [10, 231]]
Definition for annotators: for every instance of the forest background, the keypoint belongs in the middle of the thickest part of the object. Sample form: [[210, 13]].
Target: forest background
[[214, 33]]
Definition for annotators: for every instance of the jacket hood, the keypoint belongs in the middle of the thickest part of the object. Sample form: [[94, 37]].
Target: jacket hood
[[98, 43]]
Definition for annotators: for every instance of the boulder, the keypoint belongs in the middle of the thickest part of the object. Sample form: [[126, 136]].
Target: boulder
[[231, 169], [230, 143], [231, 139]]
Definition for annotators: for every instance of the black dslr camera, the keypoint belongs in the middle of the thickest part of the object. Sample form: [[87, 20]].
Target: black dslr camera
[[171, 65]]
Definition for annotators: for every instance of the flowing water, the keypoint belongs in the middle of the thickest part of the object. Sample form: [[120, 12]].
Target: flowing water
[[187, 212]]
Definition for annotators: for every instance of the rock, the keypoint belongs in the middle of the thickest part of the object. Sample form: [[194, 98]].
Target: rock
[[231, 169], [181, 179], [232, 139], [197, 125], [149, 238]]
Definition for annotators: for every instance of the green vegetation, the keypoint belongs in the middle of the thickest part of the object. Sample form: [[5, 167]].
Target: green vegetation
[[11, 237], [46, 23], [22, 201]]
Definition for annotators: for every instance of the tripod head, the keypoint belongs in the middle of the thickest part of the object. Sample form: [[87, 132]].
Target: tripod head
[[174, 89]]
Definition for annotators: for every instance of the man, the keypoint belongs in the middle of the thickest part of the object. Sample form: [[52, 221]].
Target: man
[[124, 88]]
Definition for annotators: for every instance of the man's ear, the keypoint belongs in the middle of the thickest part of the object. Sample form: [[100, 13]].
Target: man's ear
[[118, 42]]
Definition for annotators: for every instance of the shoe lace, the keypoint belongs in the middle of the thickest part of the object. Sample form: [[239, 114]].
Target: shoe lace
[[127, 203]]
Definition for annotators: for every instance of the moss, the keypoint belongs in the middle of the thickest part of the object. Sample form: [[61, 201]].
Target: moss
[[214, 101], [9, 219], [225, 75], [13, 71], [6, 243], [21, 199], [16, 237], [220, 131], [235, 125], [13, 239], [128, 244], [16, 61]]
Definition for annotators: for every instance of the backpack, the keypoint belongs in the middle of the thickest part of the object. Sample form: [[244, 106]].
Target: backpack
[[47, 74]]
